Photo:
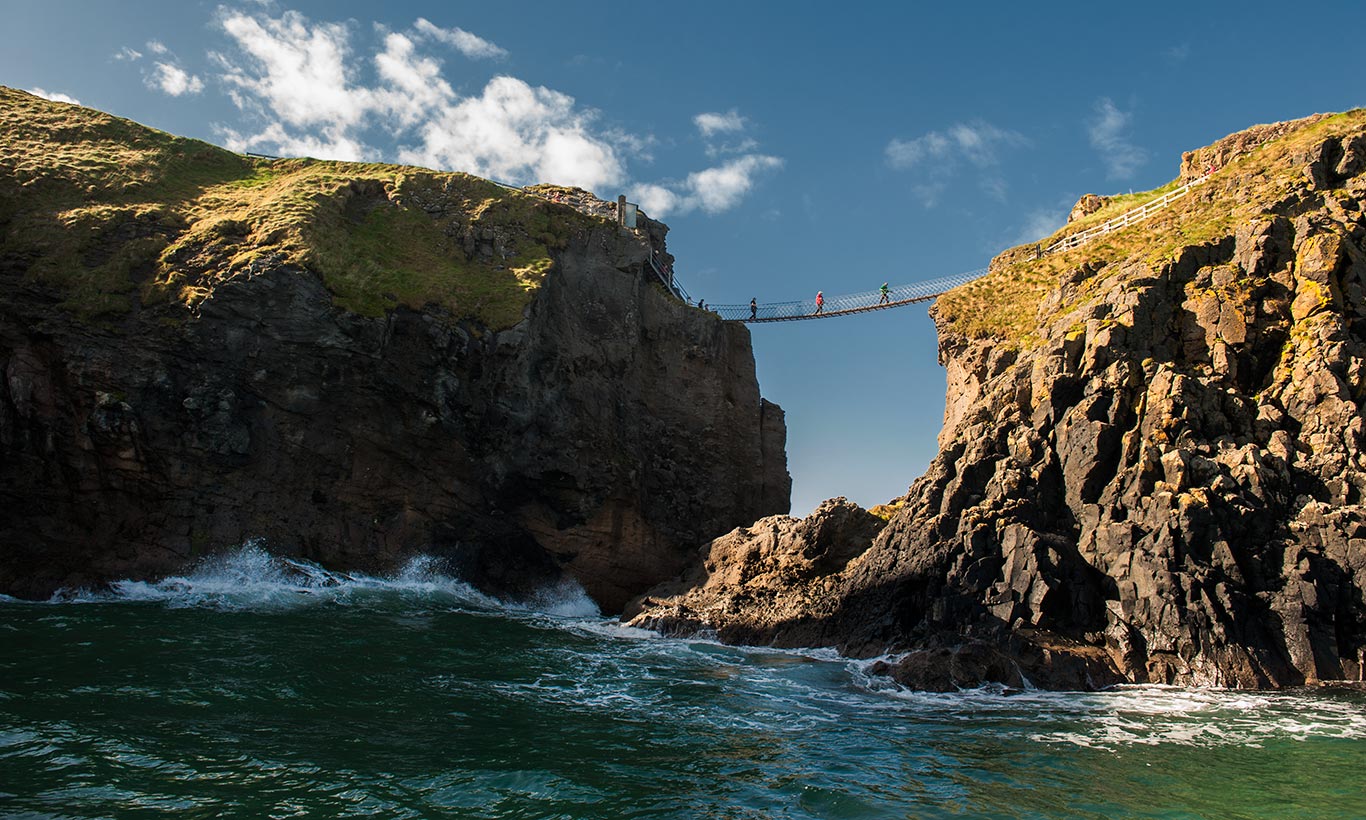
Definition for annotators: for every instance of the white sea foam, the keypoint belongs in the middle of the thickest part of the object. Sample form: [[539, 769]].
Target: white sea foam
[[252, 578], [795, 689], [567, 599], [1147, 715]]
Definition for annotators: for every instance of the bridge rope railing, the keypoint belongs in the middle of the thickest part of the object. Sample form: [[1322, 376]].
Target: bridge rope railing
[[847, 304], [913, 293]]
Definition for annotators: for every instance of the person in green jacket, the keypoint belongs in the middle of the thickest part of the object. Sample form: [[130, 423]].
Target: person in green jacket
[[884, 289]]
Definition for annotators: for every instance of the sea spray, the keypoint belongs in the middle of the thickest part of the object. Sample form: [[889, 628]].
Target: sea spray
[[251, 577]]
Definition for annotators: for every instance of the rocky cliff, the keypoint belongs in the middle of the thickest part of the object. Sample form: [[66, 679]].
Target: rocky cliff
[[353, 362], [1152, 465]]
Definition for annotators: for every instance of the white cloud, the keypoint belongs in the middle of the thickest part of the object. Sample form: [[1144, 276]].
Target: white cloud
[[631, 144], [157, 47], [1108, 135], [54, 96], [413, 83], [472, 46], [929, 192], [713, 190], [655, 199], [744, 146], [298, 70], [174, 80], [994, 187], [721, 188], [308, 93], [978, 143], [711, 123], [906, 154], [1038, 224], [517, 133], [275, 140], [127, 54], [936, 156]]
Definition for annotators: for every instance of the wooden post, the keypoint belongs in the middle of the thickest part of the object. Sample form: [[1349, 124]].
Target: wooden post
[[621, 211]]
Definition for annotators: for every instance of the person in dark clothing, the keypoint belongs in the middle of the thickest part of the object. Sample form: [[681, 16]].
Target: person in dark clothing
[[753, 309]]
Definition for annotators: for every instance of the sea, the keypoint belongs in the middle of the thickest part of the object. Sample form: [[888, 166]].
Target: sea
[[263, 687]]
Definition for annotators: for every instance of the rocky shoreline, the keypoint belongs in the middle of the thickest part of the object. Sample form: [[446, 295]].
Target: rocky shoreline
[[1158, 479], [214, 386], [1152, 466]]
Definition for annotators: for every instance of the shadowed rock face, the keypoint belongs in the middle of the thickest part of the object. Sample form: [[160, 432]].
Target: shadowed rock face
[[1168, 487], [605, 436]]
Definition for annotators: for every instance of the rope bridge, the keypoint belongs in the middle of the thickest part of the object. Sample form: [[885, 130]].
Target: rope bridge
[[907, 294], [845, 305]]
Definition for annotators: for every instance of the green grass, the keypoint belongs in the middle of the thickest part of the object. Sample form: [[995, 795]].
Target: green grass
[[1117, 204], [109, 211], [1005, 304]]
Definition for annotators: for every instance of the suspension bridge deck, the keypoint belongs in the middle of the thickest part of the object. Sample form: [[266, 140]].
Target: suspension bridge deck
[[846, 305]]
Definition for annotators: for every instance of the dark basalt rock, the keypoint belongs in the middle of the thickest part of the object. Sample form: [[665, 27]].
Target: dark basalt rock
[[1169, 487], [604, 436]]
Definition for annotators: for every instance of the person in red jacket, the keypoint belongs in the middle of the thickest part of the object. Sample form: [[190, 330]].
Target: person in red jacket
[[820, 302]]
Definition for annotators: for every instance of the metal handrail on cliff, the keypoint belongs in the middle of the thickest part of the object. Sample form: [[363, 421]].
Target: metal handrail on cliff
[[667, 279], [1124, 220]]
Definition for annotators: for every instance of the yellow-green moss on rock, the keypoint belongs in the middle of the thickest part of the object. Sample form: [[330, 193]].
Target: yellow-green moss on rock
[[1005, 305], [109, 211]]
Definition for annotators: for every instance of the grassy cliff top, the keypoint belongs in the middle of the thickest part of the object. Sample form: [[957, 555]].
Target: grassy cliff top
[[110, 211], [1005, 304]]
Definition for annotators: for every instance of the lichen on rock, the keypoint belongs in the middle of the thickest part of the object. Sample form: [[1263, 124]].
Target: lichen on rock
[[1152, 466]]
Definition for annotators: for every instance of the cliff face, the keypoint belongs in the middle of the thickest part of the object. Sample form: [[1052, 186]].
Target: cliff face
[[534, 406], [1155, 474]]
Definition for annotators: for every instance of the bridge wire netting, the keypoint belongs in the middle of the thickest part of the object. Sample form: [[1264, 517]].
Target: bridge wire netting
[[905, 294], [844, 305]]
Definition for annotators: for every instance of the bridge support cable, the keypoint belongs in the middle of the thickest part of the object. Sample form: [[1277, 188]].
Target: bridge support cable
[[845, 305], [908, 294]]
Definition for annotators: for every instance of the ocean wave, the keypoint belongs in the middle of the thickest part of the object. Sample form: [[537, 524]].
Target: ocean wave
[[251, 578], [1142, 715]]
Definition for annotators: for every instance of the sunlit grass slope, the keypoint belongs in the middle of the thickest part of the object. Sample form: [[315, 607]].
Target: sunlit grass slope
[[1005, 304], [115, 214]]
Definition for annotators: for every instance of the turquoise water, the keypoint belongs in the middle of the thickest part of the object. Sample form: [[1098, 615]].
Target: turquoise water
[[255, 688]]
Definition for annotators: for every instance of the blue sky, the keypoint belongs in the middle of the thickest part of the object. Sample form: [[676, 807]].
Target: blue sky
[[791, 146]]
